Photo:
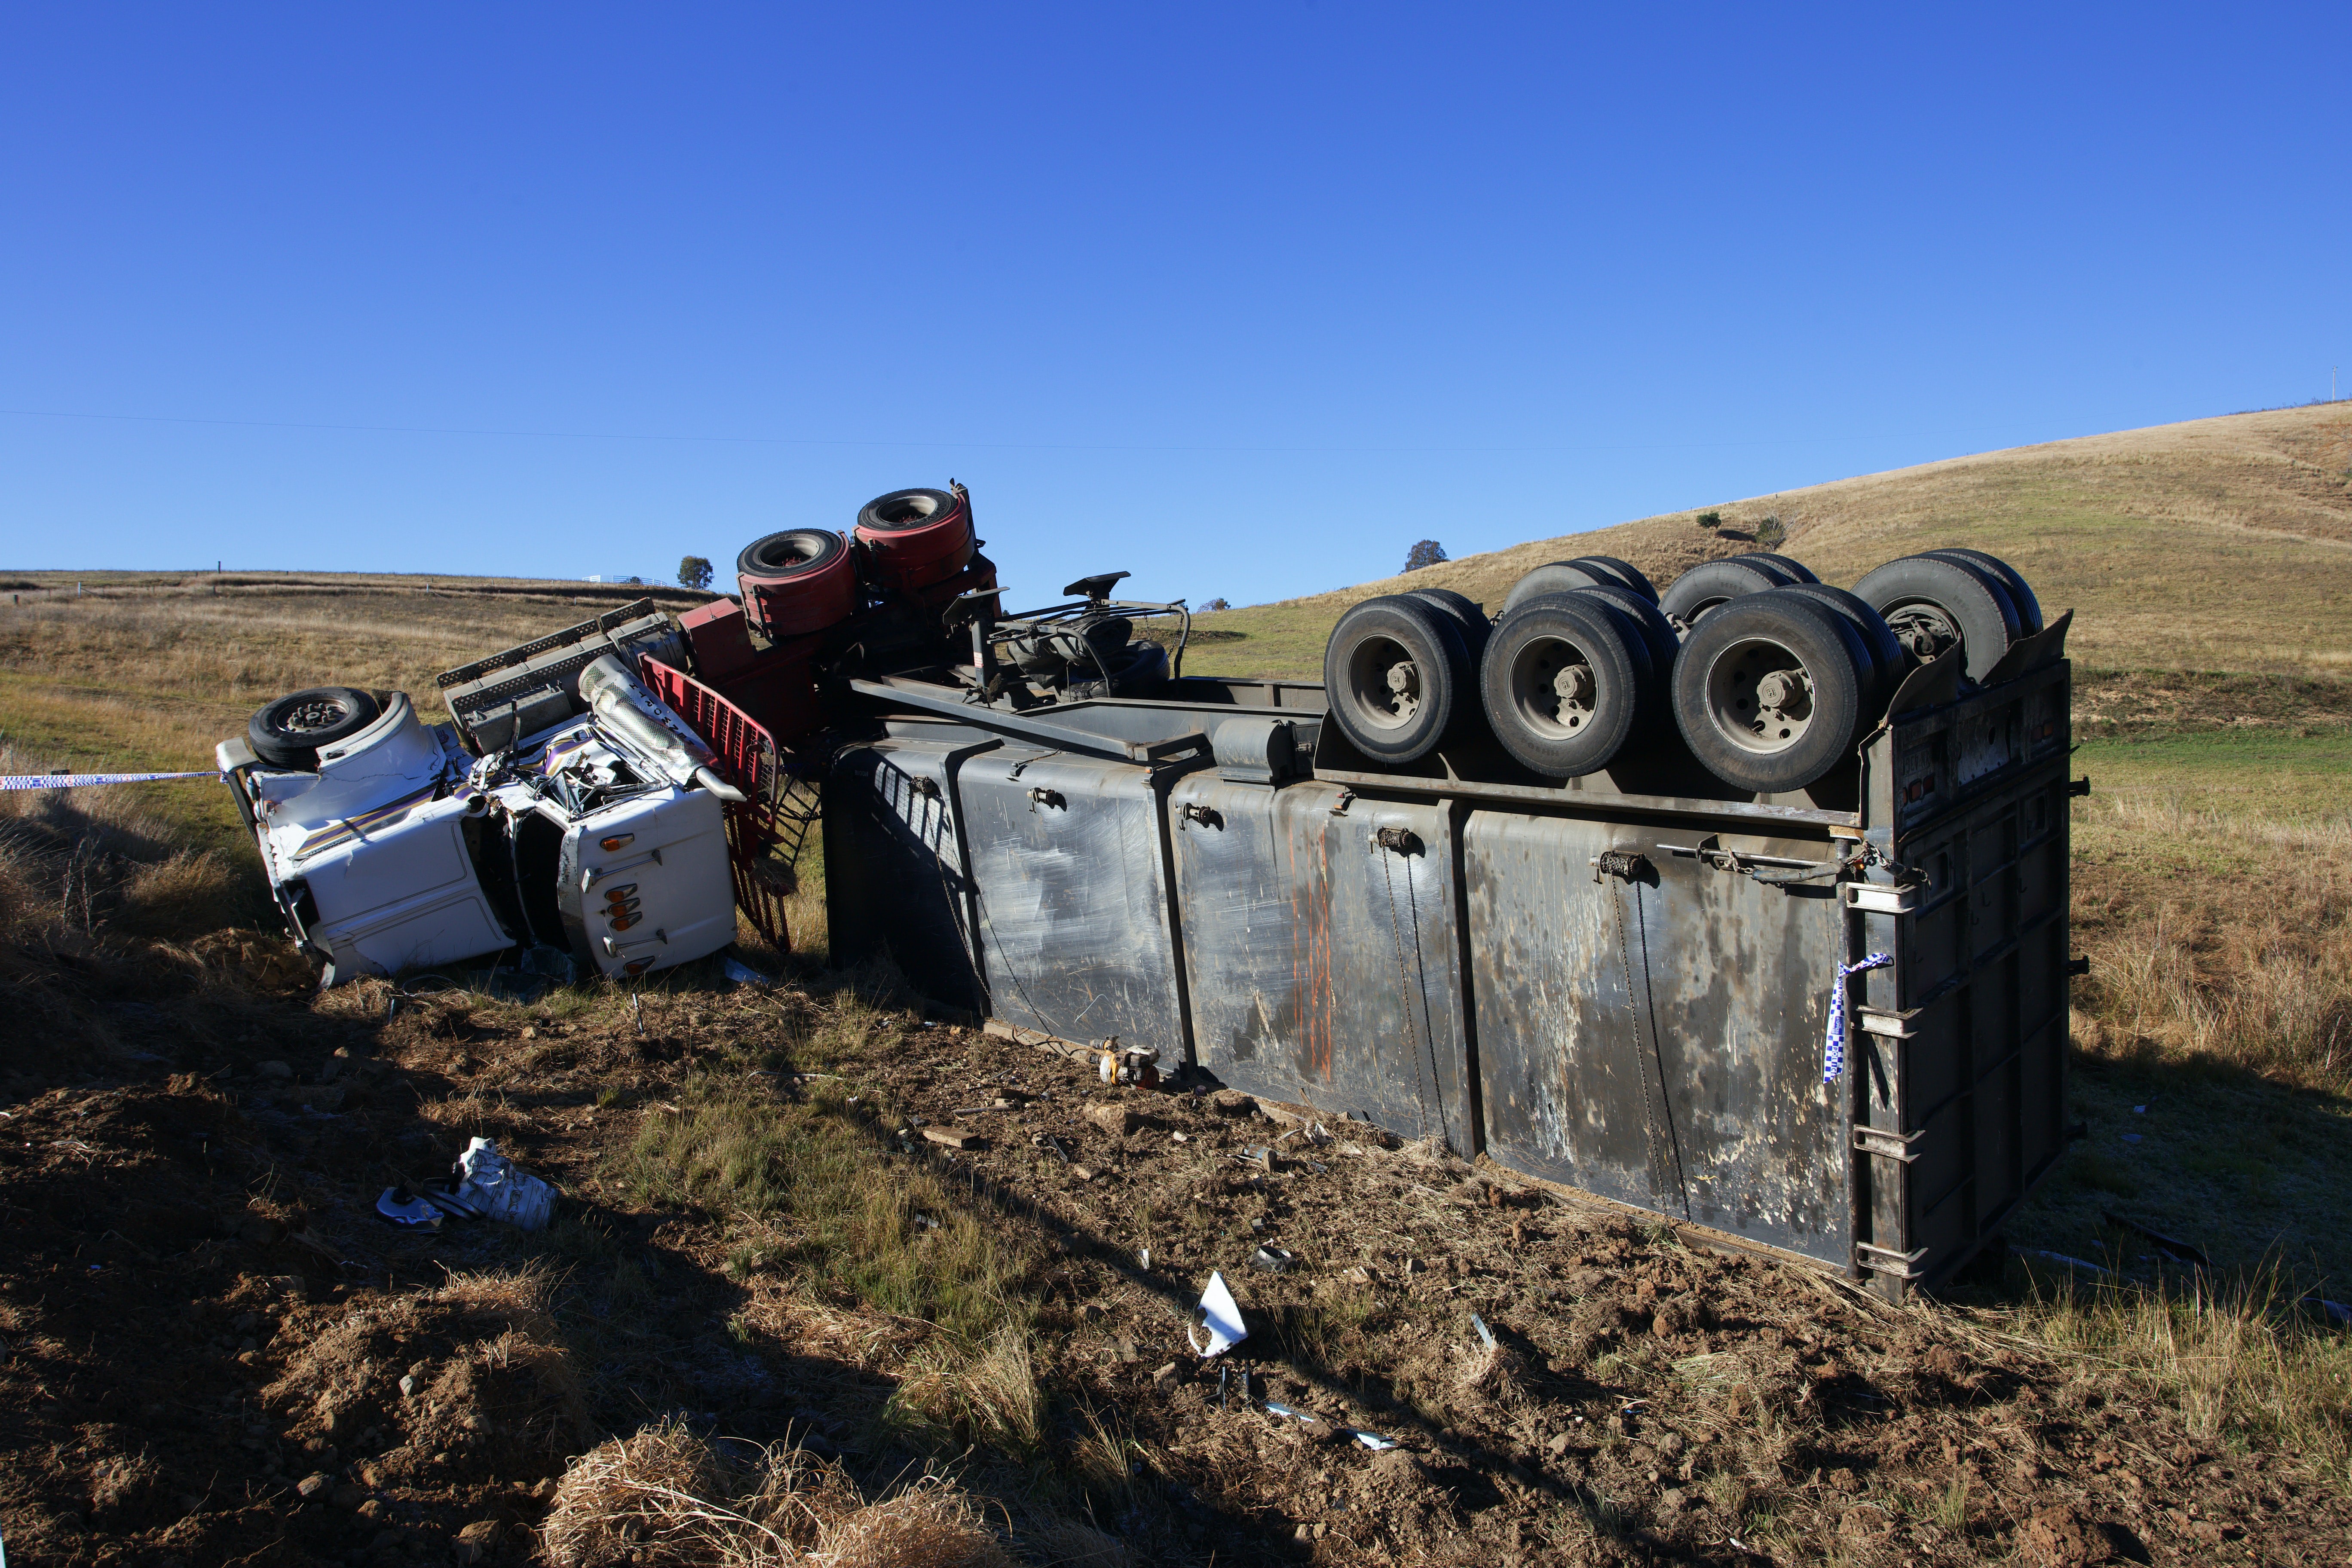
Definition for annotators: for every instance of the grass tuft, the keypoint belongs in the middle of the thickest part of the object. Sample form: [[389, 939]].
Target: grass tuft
[[2245, 1365], [665, 1499]]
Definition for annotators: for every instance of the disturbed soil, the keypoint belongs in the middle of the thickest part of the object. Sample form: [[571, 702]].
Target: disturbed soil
[[212, 1351]]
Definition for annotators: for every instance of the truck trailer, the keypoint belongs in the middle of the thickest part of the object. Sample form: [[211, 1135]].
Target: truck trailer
[[1743, 904]]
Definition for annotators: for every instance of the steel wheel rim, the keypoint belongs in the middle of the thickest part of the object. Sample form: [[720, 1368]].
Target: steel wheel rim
[[1760, 697], [1923, 629], [790, 554], [907, 511], [1553, 689], [1385, 681], [316, 714]]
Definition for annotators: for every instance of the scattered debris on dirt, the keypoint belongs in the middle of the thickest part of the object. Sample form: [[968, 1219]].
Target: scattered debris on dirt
[[215, 1352]]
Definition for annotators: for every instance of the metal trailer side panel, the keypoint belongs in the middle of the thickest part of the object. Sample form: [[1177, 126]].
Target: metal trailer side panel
[[896, 877], [1625, 995], [1655, 1037], [1738, 982], [1074, 924], [1324, 951]]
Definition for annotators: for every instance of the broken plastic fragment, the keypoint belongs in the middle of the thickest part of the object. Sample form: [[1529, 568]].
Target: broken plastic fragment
[[442, 1198], [743, 974], [1485, 1334], [1274, 1409], [1221, 1315], [402, 1207], [1371, 1441]]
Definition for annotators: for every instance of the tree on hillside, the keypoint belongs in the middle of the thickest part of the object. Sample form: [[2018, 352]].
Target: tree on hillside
[[1769, 533], [1428, 553], [1216, 604], [694, 572], [1710, 519]]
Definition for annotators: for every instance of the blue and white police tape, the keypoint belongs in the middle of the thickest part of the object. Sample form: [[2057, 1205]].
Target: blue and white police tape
[[1833, 1059], [85, 780]]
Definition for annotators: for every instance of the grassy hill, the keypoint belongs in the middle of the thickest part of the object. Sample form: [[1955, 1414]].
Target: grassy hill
[[2215, 544], [2211, 566]]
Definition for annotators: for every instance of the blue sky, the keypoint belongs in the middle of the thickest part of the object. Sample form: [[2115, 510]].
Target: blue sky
[[1242, 300]]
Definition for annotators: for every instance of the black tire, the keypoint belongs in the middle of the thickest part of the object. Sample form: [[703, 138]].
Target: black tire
[[1788, 566], [1556, 721], [1398, 678], [1625, 571], [1713, 582], [1657, 632], [1725, 688], [1557, 577], [1469, 617], [1931, 603], [1889, 664], [288, 732], [2021, 592], [905, 510], [792, 554]]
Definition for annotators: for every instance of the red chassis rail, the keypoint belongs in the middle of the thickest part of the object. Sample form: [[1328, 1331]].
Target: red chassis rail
[[749, 759]]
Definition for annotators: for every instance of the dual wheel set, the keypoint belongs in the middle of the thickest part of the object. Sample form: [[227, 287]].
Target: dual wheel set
[[1768, 677]]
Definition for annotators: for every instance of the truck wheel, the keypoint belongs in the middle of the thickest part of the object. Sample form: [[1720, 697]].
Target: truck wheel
[[1397, 674], [1657, 632], [1887, 664], [288, 732], [794, 553], [1931, 603], [1625, 571], [2020, 593], [1566, 680], [1556, 577], [1788, 566], [1767, 691], [1469, 617], [1714, 583]]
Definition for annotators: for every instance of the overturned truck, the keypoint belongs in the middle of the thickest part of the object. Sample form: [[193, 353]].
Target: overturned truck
[[1744, 904]]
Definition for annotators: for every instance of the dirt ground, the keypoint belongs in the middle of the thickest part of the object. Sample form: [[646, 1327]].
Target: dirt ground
[[212, 1351]]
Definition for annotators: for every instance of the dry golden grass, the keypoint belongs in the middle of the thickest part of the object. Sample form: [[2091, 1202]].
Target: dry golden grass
[[100, 900], [2213, 893], [2247, 1369], [502, 1384], [152, 681], [2221, 934], [2216, 544], [666, 1499]]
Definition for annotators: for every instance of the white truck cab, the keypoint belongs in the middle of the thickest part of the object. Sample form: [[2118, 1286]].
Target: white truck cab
[[390, 844]]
